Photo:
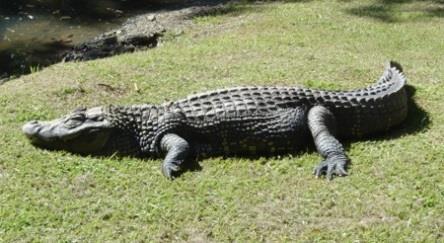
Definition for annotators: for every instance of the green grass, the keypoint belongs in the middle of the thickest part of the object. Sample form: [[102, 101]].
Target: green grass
[[395, 190]]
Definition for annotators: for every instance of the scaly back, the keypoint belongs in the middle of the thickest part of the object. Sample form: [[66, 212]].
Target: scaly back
[[358, 112]]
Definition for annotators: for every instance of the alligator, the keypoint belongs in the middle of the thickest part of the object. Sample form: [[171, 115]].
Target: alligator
[[240, 121]]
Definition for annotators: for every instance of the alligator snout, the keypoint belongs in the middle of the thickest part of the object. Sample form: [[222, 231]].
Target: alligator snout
[[31, 128], [39, 133]]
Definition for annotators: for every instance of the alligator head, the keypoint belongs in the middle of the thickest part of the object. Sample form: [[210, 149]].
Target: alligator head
[[85, 131]]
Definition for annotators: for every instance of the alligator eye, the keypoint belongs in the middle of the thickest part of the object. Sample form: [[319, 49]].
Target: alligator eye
[[78, 117], [74, 120], [72, 123]]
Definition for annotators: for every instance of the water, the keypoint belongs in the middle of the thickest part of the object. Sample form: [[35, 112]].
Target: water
[[28, 44], [35, 33]]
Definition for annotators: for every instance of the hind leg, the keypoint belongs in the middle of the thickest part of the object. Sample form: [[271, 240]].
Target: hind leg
[[177, 150], [322, 127]]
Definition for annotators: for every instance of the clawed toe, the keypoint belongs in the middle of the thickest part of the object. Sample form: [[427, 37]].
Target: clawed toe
[[331, 168], [170, 170]]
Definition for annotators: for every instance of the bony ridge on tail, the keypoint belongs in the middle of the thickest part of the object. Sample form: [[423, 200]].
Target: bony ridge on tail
[[232, 122]]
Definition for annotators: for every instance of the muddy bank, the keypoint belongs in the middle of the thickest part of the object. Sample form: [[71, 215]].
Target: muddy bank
[[145, 30]]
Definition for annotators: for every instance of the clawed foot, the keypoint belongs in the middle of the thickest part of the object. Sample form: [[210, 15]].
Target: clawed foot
[[170, 170], [331, 167]]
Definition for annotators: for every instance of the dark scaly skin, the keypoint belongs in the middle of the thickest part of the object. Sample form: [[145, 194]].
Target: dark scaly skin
[[235, 121]]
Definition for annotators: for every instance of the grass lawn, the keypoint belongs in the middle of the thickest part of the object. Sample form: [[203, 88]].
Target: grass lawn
[[395, 190]]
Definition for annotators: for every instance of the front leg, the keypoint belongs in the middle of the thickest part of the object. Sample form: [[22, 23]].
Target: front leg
[[322, 127], [177, 150]]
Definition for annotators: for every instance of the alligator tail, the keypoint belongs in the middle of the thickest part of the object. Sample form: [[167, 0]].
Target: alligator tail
[[393, 73]]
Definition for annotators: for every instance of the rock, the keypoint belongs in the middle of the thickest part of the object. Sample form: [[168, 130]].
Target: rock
[[151, 17]]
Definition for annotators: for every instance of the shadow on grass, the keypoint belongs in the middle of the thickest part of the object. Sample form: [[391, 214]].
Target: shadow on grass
[[391, 11]]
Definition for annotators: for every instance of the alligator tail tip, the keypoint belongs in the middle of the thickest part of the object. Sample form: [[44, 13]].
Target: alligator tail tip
[[394, 64]]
